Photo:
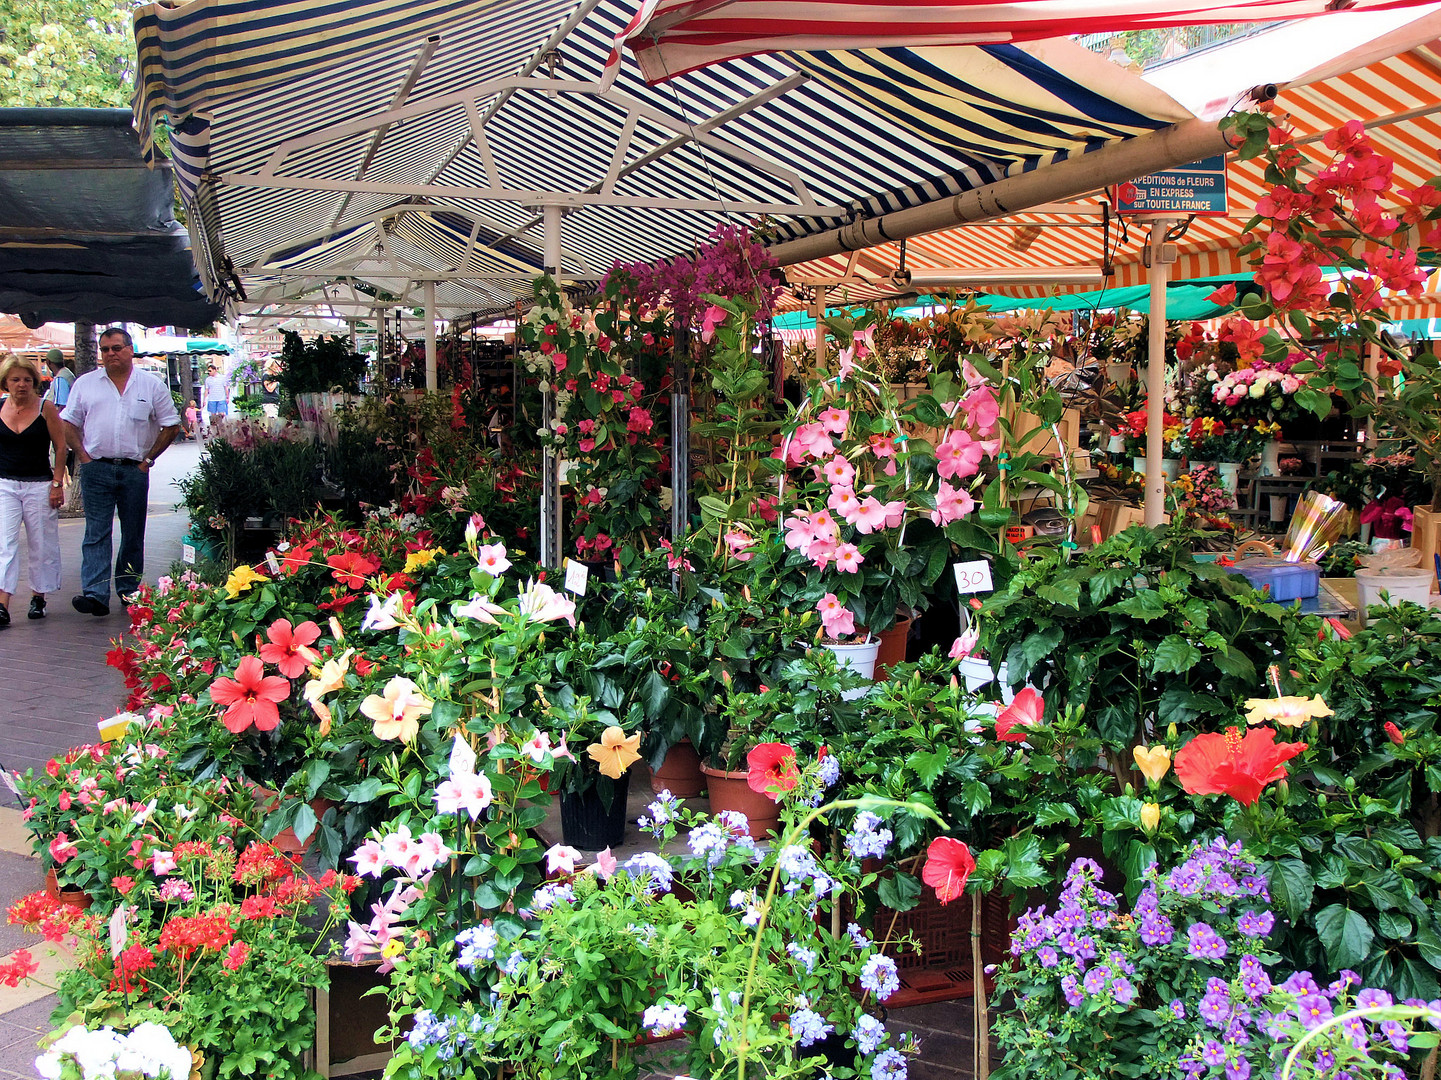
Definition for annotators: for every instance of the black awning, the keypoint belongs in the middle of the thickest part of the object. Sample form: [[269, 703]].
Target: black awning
[[87, 230]]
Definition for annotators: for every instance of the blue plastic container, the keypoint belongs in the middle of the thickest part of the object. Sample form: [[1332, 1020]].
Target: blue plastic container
[[1285, 580]]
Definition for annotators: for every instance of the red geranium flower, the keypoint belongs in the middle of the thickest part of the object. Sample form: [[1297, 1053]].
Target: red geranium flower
[[772, 769], [289, 647], [350, 567], [251, 696], [1214, 764], [1023, 712], [948, 867], [19, 966]]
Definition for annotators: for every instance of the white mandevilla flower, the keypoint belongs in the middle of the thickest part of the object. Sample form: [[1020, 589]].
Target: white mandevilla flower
[[481, 610], [543, 604], [384, 615]]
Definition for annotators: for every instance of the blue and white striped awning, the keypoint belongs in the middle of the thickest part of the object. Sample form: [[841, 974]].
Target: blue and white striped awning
[[813, 140]]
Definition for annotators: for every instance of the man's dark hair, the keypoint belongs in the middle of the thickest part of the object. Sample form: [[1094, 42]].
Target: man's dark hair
[[116, 330]]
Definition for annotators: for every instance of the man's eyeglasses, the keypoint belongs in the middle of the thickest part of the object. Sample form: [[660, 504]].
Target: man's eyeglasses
[[113, 348]]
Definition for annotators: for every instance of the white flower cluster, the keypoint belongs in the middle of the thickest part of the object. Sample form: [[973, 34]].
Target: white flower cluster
[[149, 1050]]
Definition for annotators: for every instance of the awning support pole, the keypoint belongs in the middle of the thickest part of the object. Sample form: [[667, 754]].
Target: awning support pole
[[1160, 267], [550, 531], [432, 360]]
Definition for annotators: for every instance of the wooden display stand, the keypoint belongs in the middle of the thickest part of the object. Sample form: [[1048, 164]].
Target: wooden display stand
[[346, 1021], [1426, 538]]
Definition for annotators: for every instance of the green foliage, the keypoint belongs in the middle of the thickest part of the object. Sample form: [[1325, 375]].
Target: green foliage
[[75, 53], [323, 365]]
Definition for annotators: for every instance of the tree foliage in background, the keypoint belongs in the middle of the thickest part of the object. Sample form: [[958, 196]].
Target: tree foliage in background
[[76, 53]]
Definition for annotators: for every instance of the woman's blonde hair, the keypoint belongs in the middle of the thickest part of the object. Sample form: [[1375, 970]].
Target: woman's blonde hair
[[10, 361]]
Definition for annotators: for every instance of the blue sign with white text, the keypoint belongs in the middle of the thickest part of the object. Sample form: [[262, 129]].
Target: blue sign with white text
[[1197, 188]]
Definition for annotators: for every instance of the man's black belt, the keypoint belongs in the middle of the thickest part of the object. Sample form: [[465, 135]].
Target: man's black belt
[[118, 460]]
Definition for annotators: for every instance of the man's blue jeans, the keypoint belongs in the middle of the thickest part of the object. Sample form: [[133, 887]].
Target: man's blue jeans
[[109, 490]]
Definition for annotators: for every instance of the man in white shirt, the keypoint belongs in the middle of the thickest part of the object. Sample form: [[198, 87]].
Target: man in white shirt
[[118, 421], [214, 396]]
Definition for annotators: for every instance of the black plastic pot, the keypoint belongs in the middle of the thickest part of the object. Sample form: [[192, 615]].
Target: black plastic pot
[[586, 823]]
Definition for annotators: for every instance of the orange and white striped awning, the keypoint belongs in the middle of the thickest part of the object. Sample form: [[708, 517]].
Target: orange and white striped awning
[[1398, 98]]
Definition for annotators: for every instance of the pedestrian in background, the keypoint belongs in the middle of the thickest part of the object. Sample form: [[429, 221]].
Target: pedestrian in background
[[119, 420], [32, 489]]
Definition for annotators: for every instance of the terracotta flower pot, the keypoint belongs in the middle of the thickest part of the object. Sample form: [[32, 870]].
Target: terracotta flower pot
[[76, 898], [285, 841], [680, 772], [893, 648], [732, 791]]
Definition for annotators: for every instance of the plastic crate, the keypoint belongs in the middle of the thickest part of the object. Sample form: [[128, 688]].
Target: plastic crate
[[943, 969], [1284, 580]]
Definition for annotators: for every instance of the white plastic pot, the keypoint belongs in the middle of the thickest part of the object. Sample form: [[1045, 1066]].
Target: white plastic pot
[[859, 658], [1229, 472], [978, 673], [1400, 583]]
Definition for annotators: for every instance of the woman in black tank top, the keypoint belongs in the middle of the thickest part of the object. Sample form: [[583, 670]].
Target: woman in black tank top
[[32, 488]]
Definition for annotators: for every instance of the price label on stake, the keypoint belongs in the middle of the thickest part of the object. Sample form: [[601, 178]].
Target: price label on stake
[[272, 562], [462, 758], [9, 780], [119, 932], [187, 554], [576, 573], [973, 577]]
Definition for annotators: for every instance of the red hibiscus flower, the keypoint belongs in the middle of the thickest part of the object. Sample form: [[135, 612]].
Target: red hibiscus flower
[[1394, 733], [296, 557], [288, 648], [1025, 711], [350, 567], [251, 696], [1214, 764], [772, 769], [948, 868]]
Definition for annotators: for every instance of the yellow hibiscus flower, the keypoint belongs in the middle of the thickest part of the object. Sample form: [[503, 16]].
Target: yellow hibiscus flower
[[416, 559], [615, 753], [1291, 712], [241, 579], [1154, 763]]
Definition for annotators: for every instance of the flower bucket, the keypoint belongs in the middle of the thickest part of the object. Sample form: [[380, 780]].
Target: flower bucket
[[1399, 583], [859, 658], [978, 673], [585, 822], [1271, 458], [679, 773], [1230, 474], [1138, 464], [1116, 444], [1171, 466], [892, 648], [732, 791], [76, 898]]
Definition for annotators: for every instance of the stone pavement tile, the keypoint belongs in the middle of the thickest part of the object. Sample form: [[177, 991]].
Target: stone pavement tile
[[34, 1017], [18, 1058]]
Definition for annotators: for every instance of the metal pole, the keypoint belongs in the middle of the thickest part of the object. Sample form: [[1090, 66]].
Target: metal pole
[[550, 527], [820, 342], [432, 360], [1155, 506]]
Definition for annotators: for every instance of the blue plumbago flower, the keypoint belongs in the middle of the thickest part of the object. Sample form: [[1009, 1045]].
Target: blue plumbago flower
[[709, 842], [869, 1034], [880, 977], [1253, 925], [551, 893], [799, 866], [512, 964], [829, 770], [662, 813], [858, 936], [746, 898], [664, 1018], [651, 870], [476, 944], [809, 1027], [889, 1065], [1204, 943], [806, 958], [430, 1029], [867, 840]]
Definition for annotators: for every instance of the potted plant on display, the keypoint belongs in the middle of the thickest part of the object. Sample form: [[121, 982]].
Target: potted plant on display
[[320, 376]]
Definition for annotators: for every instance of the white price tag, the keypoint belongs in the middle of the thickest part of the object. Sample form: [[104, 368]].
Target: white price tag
[[187, 554], [973, 577], [8, 779], [119, 932], [272, 562], [462, 758], [576, 573]]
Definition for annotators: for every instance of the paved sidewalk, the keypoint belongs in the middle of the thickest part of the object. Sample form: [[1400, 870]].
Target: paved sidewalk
[[54, 684]]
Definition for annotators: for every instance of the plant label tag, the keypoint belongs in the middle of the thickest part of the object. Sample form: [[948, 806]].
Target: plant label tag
[[187, 554], [272, 562], [8, 778], [118, 931], [576, 573], [462, 758], [973, 577]]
